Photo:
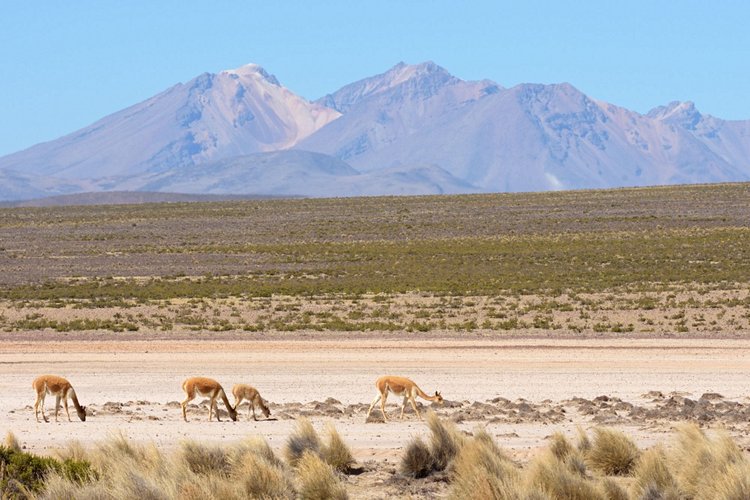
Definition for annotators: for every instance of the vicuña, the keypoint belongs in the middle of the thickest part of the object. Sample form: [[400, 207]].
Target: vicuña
[[400, 386], [61, 389], [207, 388], [244, 391]]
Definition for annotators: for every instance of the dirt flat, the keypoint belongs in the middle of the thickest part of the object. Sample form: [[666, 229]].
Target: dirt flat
[[521, 390]]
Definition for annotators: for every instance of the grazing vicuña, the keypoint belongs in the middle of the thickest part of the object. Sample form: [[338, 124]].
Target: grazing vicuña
[[61, 389]]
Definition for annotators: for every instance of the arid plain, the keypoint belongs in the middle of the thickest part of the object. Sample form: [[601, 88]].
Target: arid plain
[[530, 313]]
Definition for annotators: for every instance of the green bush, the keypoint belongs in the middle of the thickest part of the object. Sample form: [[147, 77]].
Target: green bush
[[21, 470]]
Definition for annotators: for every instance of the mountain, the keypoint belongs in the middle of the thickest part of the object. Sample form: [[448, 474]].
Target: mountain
[[213, 116], [19, 186], [527, 138], [294, 173], [413, 129]]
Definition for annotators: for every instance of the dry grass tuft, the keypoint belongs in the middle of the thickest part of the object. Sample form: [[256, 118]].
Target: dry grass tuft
[[72, 450], [303, 438], [118, 449], [210, 486], [482, 470], [653, 477], [445, 441], [567, 455], [254, 446], [612, 452], [576, 464], [205, 459], [731, 483], [611, 490], [247, 470], [317, 480], [416, 461], [11, 442], [560, 446], [420, 460], [701, 465], [336, 453], [547, 473], [260, 478], [584, 442], [58, 487], [130, 470]]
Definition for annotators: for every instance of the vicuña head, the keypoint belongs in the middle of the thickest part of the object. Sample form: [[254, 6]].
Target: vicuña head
[[404, 387], [62, 390], [244, 391], [207, 388]]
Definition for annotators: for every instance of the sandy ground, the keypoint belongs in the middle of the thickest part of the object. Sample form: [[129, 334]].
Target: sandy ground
[[133, 387]]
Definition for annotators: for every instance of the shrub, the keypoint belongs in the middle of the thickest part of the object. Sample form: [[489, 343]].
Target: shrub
[[612, 452], [23, 472]]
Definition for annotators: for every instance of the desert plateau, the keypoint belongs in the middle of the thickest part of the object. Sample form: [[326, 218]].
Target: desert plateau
[[538, 317]]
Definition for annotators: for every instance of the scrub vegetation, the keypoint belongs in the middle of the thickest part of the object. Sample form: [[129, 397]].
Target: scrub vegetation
[[604, 465], [671, 259]]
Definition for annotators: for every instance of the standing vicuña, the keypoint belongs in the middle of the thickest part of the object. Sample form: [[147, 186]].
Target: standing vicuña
[[61, 389], [244, 391], [400, 386], [207, 388]]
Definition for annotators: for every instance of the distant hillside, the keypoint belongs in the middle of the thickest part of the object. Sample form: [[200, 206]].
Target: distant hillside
[[127, 198]]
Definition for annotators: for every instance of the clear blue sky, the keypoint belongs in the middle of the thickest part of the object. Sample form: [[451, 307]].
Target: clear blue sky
[[67, 64]]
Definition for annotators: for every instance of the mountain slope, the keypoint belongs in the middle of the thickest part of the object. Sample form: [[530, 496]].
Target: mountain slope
[[294, 172], [19, 186], [526, 138], [213, 116]]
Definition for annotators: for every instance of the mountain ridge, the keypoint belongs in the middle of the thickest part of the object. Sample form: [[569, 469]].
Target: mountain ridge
[[473, 135]]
